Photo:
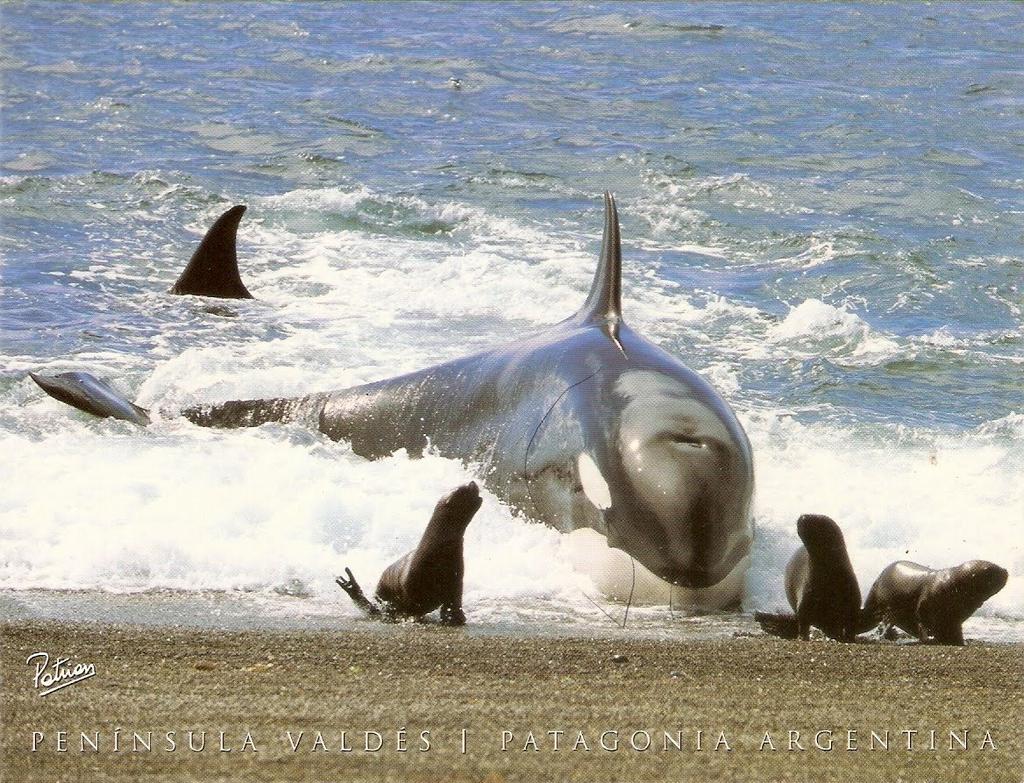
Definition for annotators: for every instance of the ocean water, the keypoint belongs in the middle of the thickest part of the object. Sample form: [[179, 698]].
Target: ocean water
[[821, 212]]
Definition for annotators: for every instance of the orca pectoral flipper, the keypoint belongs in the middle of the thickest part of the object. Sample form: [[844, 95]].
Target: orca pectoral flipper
[[88, 393], [213, 268]]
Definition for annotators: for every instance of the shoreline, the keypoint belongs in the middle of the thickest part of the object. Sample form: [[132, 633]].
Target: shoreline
[[530, 694], [244, 611]]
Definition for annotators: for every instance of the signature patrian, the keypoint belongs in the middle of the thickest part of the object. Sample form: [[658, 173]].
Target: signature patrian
[[50, 677]]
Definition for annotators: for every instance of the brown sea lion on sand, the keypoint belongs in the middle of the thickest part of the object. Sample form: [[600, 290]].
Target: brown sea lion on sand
[[431, 575], [820, 585], [926, 602]]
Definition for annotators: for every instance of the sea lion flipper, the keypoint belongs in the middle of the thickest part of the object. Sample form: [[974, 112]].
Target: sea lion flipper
[[867, 620], [452, 615], [889, 632], [355, 592], [778, 624], [950, 633]]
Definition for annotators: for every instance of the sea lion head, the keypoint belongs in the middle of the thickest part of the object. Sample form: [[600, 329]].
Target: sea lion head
[[978, 580], [819, 533], [456, 509]]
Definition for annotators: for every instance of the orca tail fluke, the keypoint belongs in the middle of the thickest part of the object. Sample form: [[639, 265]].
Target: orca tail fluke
[[213, 268], [252, 413], [778, 624], [88, 393]]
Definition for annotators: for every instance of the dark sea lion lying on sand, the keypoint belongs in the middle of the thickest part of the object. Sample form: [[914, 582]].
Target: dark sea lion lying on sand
[[926, 602], [431, 575], [820, 585]]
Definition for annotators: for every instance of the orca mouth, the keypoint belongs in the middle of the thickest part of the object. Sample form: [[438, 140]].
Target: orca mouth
[[620, 576], [699, 575]]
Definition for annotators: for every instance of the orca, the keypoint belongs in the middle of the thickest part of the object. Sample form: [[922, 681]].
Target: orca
[[584, 426], [213, 268]]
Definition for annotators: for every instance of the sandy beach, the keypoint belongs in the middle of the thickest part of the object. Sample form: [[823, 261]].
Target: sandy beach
[[362, 687]]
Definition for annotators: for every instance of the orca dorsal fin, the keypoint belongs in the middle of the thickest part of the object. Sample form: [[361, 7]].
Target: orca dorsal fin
[[604, 304], [213, 268]]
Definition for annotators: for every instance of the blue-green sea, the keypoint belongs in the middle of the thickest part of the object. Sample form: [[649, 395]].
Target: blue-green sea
[[822, 212]]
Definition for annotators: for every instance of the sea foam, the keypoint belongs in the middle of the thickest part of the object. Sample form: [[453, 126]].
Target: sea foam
[[279, 511]]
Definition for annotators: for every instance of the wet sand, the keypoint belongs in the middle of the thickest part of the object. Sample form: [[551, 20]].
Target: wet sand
[[424, 678]]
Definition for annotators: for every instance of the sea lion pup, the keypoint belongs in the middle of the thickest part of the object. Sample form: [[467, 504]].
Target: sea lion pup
[[927, 602], [431, 575], [820, 585]]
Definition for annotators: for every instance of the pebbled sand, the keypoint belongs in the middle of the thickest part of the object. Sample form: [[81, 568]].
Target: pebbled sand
[[428, 678]]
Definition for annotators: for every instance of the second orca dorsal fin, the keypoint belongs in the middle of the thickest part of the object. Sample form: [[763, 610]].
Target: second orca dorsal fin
[[604, 304], [213, 268]]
